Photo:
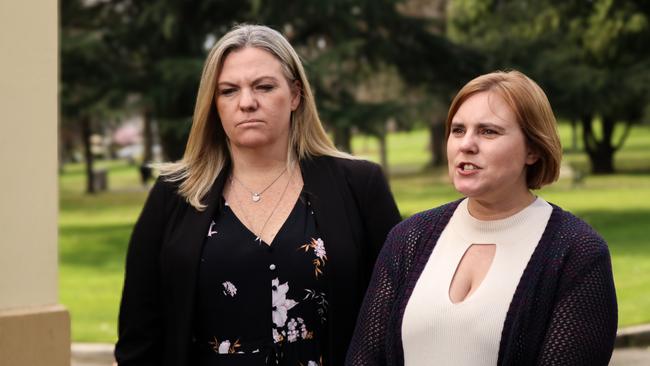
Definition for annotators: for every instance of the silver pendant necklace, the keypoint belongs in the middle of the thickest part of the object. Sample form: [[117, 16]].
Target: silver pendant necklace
[[258, 235], [257, 196]]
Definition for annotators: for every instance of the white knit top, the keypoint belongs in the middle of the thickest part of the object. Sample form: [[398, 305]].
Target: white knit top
[[436, 331]]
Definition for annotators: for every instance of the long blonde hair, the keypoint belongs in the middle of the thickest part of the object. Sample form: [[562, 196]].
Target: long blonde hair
[[207, 152]]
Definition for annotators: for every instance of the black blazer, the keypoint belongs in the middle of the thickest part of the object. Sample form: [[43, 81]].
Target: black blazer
[[354, 211]]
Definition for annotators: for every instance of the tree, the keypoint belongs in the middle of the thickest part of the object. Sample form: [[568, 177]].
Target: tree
[[160, 48], [88, 72], [590, 57], [350, 44], [165, 43]]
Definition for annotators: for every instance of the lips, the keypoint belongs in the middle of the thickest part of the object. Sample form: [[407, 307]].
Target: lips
[[468, 167], [250, 121]]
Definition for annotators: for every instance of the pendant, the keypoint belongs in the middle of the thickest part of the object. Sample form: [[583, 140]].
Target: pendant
[[256, 197]]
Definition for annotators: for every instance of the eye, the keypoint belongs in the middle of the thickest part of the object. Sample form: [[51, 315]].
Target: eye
[[489, 132], [457, 130], [265, 87], [227, 91]]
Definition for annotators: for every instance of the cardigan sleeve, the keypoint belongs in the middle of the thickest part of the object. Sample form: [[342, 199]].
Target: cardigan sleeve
[[377, 336], [368, 342], [140, 318], [379, 213], [582, 327]]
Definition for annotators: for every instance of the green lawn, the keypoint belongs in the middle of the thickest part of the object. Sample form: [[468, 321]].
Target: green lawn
[[93, 235], [94, 230]]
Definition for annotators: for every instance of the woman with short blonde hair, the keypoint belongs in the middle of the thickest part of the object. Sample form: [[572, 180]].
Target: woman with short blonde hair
[[534, 115], [499, 277]]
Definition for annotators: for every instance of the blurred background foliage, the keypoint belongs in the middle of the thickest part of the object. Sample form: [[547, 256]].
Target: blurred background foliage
[[384, 73], [376, 65]]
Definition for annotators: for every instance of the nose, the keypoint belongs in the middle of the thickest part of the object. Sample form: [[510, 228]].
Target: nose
[[247, 101], [467, 144]]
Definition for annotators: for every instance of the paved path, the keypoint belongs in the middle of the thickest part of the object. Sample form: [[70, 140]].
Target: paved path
[[631, 357], [102, 355]]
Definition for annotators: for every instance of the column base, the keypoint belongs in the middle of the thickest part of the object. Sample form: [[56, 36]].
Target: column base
[[35, 336]]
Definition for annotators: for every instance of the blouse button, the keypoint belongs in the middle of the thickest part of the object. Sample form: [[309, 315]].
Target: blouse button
[[272, 267]]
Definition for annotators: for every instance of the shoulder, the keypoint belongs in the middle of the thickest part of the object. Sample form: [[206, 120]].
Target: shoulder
[[579, 238], [358, 167], [359, 174], [164, 188], [164, 197], [425, 223]]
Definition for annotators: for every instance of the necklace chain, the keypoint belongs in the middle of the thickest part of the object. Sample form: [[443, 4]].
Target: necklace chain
[[257, 196], [258, 235]]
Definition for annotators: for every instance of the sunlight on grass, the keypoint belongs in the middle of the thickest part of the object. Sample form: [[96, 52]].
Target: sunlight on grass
[[94, 229]]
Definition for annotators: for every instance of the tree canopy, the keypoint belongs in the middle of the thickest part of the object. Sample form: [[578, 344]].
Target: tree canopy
[[589, 56], [157, 50]]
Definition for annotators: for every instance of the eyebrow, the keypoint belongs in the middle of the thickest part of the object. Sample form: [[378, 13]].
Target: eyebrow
[[489, 125], [256, 81]]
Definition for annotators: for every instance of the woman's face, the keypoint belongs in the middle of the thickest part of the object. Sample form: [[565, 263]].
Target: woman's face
[[486, 149], [255, 100]]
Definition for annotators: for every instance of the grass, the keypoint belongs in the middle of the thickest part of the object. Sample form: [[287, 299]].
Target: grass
[[94, 230], [93, 235]]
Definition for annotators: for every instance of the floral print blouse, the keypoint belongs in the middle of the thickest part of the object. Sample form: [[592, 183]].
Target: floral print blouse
[[260, 304]]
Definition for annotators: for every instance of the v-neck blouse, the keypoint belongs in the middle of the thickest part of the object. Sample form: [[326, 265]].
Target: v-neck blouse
[[260, 304]]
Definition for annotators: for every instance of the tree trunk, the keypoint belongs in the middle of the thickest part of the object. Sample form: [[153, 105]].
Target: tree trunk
[[173, 138], [88, 154], [383, 151], [343, 139], [147, 137], [574, 135], [601, 153], [437, 146]]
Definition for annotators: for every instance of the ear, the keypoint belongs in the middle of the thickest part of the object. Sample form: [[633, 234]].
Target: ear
[[531, 157], [296, 94]]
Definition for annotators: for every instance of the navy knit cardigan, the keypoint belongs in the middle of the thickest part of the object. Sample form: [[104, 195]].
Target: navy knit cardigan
[[563, 311]]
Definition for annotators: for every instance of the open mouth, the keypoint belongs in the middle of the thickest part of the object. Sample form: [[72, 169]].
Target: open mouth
[[468, 167]]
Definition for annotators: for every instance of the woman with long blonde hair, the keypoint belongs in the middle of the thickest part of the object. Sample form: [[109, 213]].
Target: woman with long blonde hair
[[256, 247]]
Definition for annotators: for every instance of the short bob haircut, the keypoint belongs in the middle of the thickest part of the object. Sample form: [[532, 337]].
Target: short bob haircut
[[534, 115], [207, 152]]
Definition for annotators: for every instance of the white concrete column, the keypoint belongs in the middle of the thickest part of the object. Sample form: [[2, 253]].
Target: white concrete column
[[34, 328]]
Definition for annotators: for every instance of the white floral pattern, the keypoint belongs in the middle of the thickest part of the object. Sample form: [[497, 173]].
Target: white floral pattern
[[318, 246], [299, 305], [224, 347], [278, 337], [280, 302], [303, 330], [297, 329], [319, 249], [229, 289], [292, 333], [210, 231]]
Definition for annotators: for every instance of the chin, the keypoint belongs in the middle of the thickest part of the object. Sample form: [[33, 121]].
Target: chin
[[472, 192], [253, 142]]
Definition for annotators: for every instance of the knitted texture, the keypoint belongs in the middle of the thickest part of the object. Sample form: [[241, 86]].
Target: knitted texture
[[563, 311]]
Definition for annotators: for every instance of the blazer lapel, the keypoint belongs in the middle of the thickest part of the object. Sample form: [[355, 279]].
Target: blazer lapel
[[184, 251], [327, 191], [325, 188]]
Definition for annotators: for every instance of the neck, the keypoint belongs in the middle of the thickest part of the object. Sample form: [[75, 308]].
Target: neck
[[496, 209], [256, 163]]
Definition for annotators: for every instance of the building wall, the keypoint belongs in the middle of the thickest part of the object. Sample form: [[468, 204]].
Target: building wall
[[34, 328]]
